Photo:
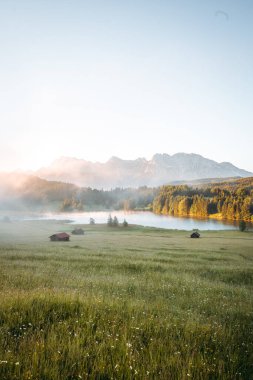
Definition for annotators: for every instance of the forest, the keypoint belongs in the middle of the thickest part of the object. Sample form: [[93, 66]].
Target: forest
[[114, 199], [18, 192], [231, 200]]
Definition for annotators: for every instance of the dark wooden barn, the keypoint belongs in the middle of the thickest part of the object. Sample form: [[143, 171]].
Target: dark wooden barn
[[78, 231], [62, 236], [195, 235]]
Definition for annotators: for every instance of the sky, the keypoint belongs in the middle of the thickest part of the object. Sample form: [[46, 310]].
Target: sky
[[95, 79]]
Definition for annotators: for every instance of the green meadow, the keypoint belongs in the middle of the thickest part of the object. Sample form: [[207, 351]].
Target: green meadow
[[125, 303]]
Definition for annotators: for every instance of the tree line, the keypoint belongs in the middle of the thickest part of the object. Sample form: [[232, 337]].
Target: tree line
[[117, 199], [233, 201], [227, 200], [34, 193]]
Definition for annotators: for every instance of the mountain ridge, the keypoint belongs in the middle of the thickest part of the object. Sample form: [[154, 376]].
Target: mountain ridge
[[161, 169]]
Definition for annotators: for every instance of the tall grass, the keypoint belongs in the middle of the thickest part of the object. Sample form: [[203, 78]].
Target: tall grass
[[135, 303]]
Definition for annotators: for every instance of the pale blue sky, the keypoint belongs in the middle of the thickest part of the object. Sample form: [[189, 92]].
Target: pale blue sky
[[92, 79]]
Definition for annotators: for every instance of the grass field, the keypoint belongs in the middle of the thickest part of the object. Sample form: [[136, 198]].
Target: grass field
[[125, 303]]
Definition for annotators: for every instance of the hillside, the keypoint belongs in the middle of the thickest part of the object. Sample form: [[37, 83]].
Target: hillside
[[21, 191], [161, 169], [26, 192]]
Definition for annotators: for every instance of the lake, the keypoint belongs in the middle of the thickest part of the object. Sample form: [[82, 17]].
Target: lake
[[143, 218]]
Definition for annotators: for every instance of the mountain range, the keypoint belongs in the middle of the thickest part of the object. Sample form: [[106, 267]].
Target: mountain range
[[161, 169]]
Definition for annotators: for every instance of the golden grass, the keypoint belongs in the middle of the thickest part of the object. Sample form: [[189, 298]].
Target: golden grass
[[125, 303]]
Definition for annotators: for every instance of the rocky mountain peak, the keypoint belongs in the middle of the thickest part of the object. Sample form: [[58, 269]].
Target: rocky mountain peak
[[161, 169]]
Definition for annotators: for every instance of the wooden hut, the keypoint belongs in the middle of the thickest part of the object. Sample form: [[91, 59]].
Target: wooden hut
[[78, 231], [62, 236], [195, 235]]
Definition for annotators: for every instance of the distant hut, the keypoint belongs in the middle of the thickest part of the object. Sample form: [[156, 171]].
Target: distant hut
[[6, 219], [62, 236], [195, 235], [78, 231]]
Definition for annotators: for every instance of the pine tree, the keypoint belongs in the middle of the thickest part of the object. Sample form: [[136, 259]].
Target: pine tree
[[115, 222], [109, 221]]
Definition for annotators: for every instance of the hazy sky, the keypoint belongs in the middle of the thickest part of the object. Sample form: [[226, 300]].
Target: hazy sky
[[92, 79]]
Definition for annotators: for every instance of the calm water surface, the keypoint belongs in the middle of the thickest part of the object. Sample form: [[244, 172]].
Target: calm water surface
[[147, 219]]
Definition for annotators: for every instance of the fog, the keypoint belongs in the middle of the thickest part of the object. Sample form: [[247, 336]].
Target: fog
[[26, 193]]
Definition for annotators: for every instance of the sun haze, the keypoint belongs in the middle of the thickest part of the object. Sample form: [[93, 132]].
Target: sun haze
[[96, 79]]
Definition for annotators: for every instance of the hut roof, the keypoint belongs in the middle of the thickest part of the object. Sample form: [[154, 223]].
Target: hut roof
[[78, 231], [195, 235], [60, 235]]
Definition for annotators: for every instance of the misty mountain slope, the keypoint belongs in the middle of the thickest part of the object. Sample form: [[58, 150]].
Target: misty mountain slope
[[19, 191], [161, 169]]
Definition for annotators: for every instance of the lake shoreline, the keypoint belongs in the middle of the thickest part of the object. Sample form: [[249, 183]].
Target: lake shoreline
[[142, 218]]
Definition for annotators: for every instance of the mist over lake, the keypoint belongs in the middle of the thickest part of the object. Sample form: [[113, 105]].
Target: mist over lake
[[143, 218]]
